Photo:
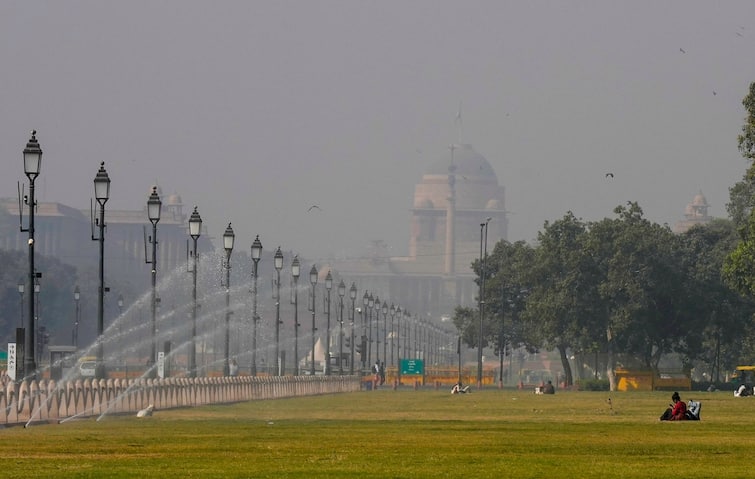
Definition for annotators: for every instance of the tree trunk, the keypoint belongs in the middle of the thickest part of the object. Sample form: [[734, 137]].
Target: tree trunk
[[568, 380], [610, 360]]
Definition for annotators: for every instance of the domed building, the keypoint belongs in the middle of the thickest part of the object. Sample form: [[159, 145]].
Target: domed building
[[696, 213], [456, 195]]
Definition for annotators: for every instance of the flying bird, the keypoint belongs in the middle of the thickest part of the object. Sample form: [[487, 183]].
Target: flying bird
[[609, 175], [314, 207], [682, 50], [714, 92]]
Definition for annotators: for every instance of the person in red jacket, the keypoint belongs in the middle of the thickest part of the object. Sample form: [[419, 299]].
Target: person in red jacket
[[677, 411]]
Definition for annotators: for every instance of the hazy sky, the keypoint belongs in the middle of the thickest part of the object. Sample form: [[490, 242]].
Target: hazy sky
[[256, 110]]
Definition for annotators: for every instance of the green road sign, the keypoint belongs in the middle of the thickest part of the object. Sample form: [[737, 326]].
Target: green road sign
[[412, 367]]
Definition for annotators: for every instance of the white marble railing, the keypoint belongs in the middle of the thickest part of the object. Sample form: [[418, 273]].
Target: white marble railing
[[48, 401]]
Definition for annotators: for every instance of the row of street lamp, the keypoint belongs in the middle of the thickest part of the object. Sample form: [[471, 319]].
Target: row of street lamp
[[32, 161]]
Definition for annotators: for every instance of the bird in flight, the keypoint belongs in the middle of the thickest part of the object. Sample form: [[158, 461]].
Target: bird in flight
[[682, 50], [609, 175], [314, 207]]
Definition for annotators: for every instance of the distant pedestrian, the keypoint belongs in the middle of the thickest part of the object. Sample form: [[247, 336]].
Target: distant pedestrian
[[233, 368], [376, 373], [381, 372]]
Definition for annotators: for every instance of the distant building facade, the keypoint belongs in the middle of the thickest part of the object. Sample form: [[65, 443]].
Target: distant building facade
[[65, 233]]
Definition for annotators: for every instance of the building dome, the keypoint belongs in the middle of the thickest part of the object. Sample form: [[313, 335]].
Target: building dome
[[699, 200], [175, 199], [467, 161]]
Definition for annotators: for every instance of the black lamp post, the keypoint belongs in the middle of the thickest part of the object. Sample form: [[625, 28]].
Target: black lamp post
[[195, 230], [154, 206], [32, 162], [370, 304], [398, 343], [385, 331], [313, 282], [481, 299], [393, 332], [37, 289], [353, 296], [228, 239], [76, 298], [278, 263], [120, 313], [21, 289], [341, 294], [101, 194], [295, 273], [328, 287], [256, 254], [377, 328], [363, 314], [408, 335]]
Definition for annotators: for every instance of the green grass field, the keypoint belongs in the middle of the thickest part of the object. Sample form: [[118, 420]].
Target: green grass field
[[401, 434]]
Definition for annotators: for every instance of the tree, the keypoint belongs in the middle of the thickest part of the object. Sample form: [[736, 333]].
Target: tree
[[742, 194], [506, 294], [559, 290], [641, 285]]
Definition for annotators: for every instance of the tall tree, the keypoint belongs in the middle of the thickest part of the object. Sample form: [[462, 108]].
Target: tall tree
[[724, 317], [742, 194], [559, 290]]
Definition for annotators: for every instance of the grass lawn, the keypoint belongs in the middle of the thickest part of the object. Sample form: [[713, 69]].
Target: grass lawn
[[401, 434]]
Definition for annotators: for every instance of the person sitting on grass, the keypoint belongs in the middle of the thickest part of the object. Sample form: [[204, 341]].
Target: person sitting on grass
[[549, 389], [676, 411], [459, 389]]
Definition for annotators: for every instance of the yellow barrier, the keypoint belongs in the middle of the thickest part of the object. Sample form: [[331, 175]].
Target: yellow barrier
[[629, 380]]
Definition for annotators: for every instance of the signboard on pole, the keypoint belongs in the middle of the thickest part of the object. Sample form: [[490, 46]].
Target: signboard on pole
[[11, 361], [414, 367]]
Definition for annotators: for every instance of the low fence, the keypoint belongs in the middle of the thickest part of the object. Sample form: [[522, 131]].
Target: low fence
[[48, 401]]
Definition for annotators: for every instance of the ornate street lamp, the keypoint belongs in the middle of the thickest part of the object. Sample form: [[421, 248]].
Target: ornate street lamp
[[228, 239], [393, 332], [363, 355], [256, 255], [377, 329], [398, 343], [481, 299], [76, 298], [37, 289], [313, 282], [407, 335], [341, 294], [32, 163], [385, 331], [353, 296], [278, 263], [370, 304], [328, 287], [101, 194], [154, 207], [195, 230], [21, 289], [295, 273]]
